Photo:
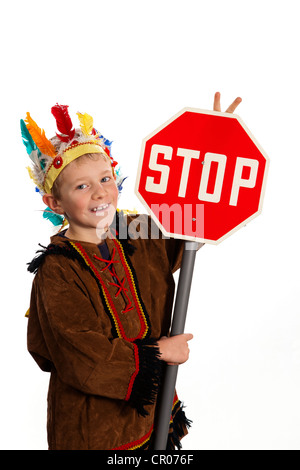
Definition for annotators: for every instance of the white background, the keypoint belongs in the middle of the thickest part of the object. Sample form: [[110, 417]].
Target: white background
[[132, 65]]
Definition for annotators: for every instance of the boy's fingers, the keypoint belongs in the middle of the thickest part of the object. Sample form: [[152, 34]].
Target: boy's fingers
[[217, 101], [230, 109], [234, 105], [188, 336]]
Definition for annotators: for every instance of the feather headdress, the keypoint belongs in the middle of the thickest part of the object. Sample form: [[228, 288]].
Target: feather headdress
[[50, 157]]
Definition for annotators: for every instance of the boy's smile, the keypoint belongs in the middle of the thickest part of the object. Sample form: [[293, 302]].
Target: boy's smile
[[88, 198], [100, 208]]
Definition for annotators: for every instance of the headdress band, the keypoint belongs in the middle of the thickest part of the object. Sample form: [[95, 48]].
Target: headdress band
[[71, 153]]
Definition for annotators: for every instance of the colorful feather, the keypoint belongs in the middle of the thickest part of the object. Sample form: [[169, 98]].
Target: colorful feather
[[107, 145], [30, 173], [120, 183], [86, 123], [63, 122], [56, 219], [27, 139], [31, 147], [39, 137]]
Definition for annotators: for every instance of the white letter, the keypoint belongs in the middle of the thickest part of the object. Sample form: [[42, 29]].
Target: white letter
[[138, 228], [188, 155], [160, 187], [238, 181], [216, 195]]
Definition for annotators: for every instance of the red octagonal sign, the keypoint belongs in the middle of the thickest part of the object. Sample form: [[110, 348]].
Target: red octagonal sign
[[202, 175]]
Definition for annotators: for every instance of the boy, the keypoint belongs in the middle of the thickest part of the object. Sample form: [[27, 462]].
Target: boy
[[101, 304]]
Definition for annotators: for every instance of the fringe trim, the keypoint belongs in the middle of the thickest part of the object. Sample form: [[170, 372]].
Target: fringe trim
[[178, 427], [147, 381], [51, 249]]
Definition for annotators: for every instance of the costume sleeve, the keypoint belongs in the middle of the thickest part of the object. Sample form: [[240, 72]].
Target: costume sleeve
[[65, 332]]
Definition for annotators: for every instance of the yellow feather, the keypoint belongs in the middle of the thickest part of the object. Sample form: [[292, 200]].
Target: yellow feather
[[39, 137], [86, 123], [30, 172]]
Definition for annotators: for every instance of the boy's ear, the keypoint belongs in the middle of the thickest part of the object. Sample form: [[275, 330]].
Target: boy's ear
[[53, 203]]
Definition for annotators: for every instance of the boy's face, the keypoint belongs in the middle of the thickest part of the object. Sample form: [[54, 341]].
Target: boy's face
[[88, 198]]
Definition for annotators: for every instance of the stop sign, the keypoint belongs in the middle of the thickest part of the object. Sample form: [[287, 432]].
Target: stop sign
[[202, 175]]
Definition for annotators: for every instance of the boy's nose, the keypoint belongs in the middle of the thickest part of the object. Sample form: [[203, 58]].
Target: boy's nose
[[99, 192]]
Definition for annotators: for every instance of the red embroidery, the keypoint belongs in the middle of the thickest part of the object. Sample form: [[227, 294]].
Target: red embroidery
[[122, 289], [144, 326], [120, 284], [128, 307], [108, 261]]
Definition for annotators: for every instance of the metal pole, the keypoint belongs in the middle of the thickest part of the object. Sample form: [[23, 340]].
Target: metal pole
[[178, 323]]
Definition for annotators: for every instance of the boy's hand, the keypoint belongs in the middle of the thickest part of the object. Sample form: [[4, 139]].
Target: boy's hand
[[230, 109], [174, 350]]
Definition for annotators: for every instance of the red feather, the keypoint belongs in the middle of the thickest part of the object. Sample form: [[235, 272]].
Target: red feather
[[63, 122]]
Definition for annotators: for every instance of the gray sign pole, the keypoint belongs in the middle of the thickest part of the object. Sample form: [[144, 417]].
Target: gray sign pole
[[179, 316]]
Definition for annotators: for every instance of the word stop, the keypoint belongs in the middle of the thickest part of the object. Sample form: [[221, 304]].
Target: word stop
[[238, 181]]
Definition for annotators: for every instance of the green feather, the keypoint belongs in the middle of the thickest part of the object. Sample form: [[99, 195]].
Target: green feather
[[27, 139], [30, 144], [56, 219]]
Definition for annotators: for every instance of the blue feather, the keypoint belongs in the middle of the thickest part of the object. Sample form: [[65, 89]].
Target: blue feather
[[107, 143], [120, 184]]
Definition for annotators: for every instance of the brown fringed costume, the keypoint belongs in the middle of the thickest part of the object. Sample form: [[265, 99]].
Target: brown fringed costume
[[93, 324]]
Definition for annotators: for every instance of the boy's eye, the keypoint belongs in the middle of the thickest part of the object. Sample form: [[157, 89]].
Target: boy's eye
[[82, 186], [105, 179]]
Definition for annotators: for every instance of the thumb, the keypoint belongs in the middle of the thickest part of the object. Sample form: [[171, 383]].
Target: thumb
[[188, 336]]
